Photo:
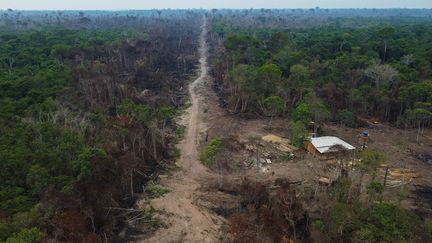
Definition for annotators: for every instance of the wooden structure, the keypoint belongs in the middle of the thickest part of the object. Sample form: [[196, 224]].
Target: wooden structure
[[328, 146]]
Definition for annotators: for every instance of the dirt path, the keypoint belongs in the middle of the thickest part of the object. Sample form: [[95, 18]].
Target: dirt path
[[187, 220]]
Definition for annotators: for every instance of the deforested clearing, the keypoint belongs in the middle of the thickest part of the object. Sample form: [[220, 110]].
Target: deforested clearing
[[223, 125]]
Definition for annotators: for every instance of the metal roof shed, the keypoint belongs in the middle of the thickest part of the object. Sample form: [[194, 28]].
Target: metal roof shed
[[326, 144]]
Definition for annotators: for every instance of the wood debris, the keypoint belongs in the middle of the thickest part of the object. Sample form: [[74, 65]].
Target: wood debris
[[324, 180], [407, 174], [282, 144]]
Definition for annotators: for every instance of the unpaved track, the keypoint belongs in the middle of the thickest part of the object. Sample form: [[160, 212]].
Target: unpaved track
[[187, 220]]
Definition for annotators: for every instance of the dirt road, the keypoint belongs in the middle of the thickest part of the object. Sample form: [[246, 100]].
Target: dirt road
[[187, 220]]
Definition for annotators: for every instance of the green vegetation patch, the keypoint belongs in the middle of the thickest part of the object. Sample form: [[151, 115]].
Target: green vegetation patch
[[156, 191], [208, 157], [179, 134]]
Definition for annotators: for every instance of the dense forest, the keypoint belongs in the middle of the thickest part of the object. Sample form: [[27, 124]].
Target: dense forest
[[86, 108], [377, 67], [313, 67]]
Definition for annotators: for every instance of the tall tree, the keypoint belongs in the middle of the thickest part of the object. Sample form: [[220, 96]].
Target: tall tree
[[386, 34]]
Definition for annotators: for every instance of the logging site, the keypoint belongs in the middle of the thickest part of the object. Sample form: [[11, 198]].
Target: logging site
[[231, 121]]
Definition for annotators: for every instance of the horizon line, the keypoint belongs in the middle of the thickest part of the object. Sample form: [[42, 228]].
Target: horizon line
[[209, 9]]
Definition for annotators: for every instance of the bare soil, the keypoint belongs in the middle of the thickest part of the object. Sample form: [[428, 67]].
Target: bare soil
[[401, 151], [399, 146]]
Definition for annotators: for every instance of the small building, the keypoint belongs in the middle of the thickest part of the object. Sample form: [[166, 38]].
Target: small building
[[327, 146]]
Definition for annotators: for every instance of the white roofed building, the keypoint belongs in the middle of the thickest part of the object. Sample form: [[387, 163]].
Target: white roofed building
[[327, 145]]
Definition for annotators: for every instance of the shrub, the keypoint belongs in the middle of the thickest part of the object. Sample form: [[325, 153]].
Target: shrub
[[299, 134], [27, 235], [155, 191], [375, 190], [346, 118], [209, 155]]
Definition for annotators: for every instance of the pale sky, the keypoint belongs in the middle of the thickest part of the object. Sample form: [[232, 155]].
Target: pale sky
[[149, 4]]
